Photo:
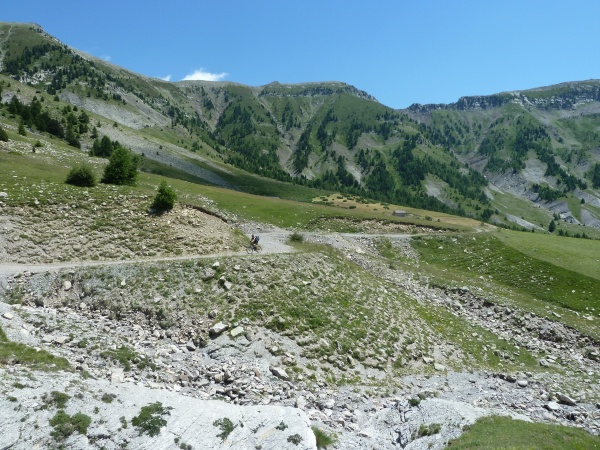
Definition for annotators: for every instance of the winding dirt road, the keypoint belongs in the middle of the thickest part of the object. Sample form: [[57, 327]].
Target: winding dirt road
[[271, 242]]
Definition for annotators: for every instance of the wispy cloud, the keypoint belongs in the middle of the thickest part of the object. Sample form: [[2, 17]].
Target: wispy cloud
[[166, 78], [105, 57], [202, 74]]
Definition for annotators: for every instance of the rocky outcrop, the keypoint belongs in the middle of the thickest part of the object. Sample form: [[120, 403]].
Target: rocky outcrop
[[565, 96], [188, 422]]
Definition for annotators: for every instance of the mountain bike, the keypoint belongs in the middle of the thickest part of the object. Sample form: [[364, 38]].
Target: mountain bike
[[253, 248]]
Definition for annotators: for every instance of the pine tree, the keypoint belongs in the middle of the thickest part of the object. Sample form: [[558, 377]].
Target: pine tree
[[164, 199], [121, 168]]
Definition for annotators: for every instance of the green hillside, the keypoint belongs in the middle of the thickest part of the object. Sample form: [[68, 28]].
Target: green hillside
[[519, 159]]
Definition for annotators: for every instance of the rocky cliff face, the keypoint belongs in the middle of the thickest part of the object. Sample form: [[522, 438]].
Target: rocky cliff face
[[561, 96]]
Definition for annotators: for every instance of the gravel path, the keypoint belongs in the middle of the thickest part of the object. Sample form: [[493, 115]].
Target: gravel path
[[271, 242]]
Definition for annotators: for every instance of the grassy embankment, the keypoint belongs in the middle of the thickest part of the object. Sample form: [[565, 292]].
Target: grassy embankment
[[545, 274], [505, 433]]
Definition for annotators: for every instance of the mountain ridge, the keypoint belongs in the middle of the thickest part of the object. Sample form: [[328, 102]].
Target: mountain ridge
[[523, 97]]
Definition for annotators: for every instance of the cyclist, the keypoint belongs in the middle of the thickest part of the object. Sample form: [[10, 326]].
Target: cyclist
[[254, 241]]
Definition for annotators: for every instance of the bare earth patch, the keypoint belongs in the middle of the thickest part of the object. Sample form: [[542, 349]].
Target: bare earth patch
[[98, 231]]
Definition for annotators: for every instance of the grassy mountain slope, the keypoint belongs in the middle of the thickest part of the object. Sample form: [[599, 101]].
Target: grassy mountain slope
[[542, 145], [519, 159]]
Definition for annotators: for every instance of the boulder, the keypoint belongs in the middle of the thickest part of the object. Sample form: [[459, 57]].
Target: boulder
[[565, 400], [279, 372], [522, 383], [218, 328], [236, 331], [117, 376], [300, 402], [208, 274], [552, 406]]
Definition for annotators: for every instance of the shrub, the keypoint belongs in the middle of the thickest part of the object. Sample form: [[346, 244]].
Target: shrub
[[150, 419], [429, 430], [56, 399], [323, 439], [81, 176], [108, 398], [225, 425], [414, 401], [164, 199], [295, 439], [121, 168], [65, 425], [3, 135], [296, 237]]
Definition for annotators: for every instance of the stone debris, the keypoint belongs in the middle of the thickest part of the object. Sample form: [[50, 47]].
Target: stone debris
[[218, 328], [180, 357]]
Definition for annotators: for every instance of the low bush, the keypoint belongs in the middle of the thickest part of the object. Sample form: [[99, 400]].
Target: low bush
[[295, 439], [65, 425], [164, 199], [297, 238], [323, 439], [56, 399], [429, 430], [150, 419], [81, 176], [225, 425]]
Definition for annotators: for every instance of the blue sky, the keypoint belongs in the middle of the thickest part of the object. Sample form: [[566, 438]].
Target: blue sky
[[401, 52]]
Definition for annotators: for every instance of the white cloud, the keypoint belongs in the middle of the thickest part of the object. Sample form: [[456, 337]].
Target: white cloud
[[166, 78], [202, 74], [105, 57]]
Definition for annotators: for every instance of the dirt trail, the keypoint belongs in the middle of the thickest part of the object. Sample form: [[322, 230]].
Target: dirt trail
[[271, 242]]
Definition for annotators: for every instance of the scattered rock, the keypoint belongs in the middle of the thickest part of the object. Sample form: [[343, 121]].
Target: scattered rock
[[117, 376], [565, 400], [552, 406], [218, 328], [236, 331], [522, 383], [279, 372]]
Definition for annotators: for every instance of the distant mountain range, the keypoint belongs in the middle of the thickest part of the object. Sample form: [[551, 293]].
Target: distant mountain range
[[518, 158]]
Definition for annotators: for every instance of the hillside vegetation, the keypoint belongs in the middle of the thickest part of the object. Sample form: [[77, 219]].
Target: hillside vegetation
[[479, 157]]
